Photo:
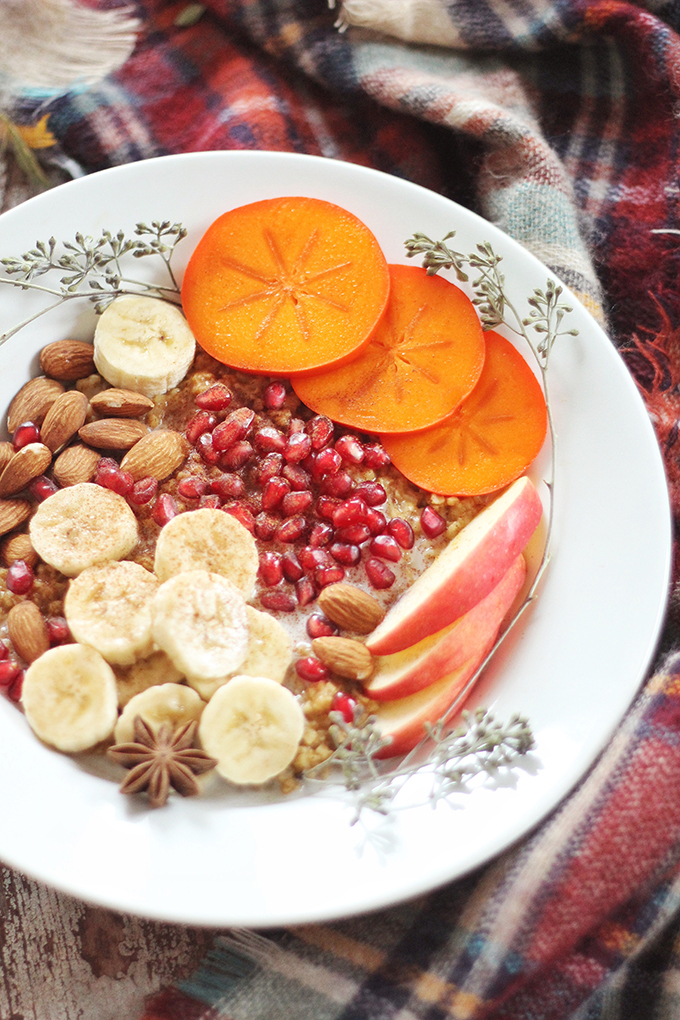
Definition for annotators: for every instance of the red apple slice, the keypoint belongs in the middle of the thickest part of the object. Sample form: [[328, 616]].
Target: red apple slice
[[465, 572], [402, 674]]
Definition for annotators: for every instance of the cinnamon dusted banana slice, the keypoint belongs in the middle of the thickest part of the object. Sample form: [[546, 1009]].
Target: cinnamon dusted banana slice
[[109, 608], [156, 669], [200, 621], [208, 540], [69, 697], [81, 526], [253, 727], [170, 703]]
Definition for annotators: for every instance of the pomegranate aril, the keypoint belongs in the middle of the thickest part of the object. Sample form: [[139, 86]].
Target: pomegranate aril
[[42, 487], [14, 692], [234, 427], [372, 492], [352, 511], [58, 630], [320, 431], [376, 456], [210, 501], [345, 705], [27, 432], [242, 514], [193, 487], [269, 440], [311, 669], [345, 553], [291, 529], [104, 466], [215, 398], [201, 423], [227, 486], [319, 625], [207, 452], [291, 566], [295, 425], [265, 526], [339, 485], [273, 492], [386, 547], [4, 650], [323, 576], [376, 522], [20, 578], [432, 523], [297, 477], [274, 396], [9, 671], [279, 601], [379, 574], [355, 534], [305, 591], [237, 456], [321, 534], [326, 462], [402, 532], [296, 503], [143, 491], [269, 467], [271, 569], [311, 558], [119, 481], [350, 449], [297, 447], [165, 509], [326, 507]]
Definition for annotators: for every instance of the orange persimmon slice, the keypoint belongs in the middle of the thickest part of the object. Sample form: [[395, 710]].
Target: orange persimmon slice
[[426, 354], [489, 440], [285, 285]]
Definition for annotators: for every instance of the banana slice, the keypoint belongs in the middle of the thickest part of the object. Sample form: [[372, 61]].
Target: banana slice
[[199, 620], [109, 608], [208, 540], [69, 697], [143, 344], [144, 673], [81, 526], [252, 726], [168, 703]]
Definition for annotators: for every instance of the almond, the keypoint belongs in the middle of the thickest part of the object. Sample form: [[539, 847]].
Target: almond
[[158, 454], [12, 513], [75, 464], [351, 608], [121, 404], [32, 402], [344, 657], [6, 453], [27, 631], [18, 547], [66, 415], [26, 464], [67, 360], [113, 433]]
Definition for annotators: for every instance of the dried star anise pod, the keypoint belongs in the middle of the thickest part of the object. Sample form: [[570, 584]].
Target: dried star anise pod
[[158, 761]]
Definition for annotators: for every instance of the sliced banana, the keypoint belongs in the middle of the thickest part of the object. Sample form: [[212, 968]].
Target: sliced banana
[[81, 526], [168, 703], [109, 608], [208, 540], [144, 673], [143, 344], [252, 726], [200, 621], [69, 697]]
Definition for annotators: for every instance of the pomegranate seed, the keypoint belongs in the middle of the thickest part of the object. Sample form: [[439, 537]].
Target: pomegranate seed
[[376, 522], [14, 693], [41, 488], [119, 481], [242, 514], [291, 566], [269, 440], [212, 501], [143, 491], [379, 574], [324, 576], [345, 705], [227, 486], [27, 432], [352, 511], [274, 396], [201, 423], [165, 509], [234, 427], [20, 578], [270, 466], [297, 447], [311, 558], [320, 431], [279, 601], [296, 476], [371, 492], [339, 485], [326, 507], [350, 449], [291, 529], [193, 487], [296, 503], [327, 462], [271, 570], [343, 552], [58, 630], [265, 526], [319, 625], [432, 523], [305, 591], [308, 463], [355, 534], [206, 450], [215, 398], [321, 534], [376, 456], [273, 492], [295, 425], [236, 456], [311, 669], [104, 465], [4, 650], [386, 547], [9, 670], [402, 531]]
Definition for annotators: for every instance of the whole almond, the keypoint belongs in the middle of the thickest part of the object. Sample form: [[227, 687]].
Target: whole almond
[[67, 360], [27, 631], [7, 451], [75, 464], [121, 404], [66, 415], [344, 657], [13, 512], [18, 547], [32, 402], [158, 454], [26, 464], [350, 607], [113, 433]]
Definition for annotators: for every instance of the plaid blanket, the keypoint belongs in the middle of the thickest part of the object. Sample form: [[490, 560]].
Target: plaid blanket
[[558, 121]]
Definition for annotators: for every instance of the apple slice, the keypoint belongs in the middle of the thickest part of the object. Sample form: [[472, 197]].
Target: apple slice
[[402, 674], [465, 572]]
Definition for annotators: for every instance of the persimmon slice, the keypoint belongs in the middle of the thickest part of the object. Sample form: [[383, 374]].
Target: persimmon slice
[[426, 354], [285, 285], [489, 440]]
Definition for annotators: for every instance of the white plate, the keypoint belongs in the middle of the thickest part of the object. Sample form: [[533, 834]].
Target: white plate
[[260, 859]]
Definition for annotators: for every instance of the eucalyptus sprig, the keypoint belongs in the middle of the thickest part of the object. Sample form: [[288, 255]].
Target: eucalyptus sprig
[[92, 268]]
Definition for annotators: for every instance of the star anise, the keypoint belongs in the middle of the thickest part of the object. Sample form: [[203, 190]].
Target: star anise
[[160, 760]]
